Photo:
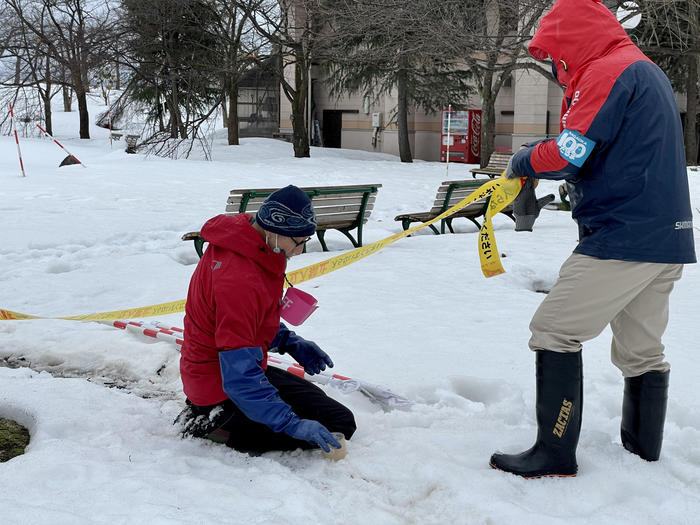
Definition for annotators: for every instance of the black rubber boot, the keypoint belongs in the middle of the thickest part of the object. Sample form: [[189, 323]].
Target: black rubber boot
[[558, 407], [644, 413]]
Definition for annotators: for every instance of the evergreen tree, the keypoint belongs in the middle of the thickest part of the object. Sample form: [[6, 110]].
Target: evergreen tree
[[173, 58]]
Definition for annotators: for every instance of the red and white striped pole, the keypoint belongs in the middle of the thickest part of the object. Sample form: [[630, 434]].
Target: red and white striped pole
[[61, 146], [14, 128], [378, 394]]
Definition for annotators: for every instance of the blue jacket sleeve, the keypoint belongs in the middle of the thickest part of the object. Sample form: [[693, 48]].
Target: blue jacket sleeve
[[245, 383]]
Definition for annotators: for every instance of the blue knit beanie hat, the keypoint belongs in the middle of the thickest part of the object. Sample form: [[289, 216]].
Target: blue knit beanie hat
[[288, 212]]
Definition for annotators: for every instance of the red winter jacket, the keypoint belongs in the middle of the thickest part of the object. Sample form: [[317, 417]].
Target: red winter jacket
[[233, 302]]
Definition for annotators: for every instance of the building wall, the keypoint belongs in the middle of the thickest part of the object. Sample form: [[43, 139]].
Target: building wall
[[521, 115], [526, 109]]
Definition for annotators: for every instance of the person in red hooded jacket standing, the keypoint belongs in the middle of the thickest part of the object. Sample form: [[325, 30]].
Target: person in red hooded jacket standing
[[233, 319], [620, 152]]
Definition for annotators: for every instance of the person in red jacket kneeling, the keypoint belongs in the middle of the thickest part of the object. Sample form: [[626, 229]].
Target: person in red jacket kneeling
[[232, 320]]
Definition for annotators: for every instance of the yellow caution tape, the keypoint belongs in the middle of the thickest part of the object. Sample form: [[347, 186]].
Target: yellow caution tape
[[133, 313], [501, 191]]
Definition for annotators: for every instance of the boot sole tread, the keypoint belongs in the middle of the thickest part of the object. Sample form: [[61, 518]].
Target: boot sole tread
[[535, 476]]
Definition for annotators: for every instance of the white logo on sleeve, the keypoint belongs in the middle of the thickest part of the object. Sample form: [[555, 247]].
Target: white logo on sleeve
[[574, 147]]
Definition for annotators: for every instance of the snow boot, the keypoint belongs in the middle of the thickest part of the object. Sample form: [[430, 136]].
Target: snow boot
[[644, 413], [559, 379]]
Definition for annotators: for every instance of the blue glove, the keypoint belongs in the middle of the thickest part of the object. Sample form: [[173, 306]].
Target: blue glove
[[313, 432], [306, 353], [246, 384]]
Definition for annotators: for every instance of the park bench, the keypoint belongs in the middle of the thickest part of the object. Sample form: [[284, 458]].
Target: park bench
[[131, 139], [450, 193], [495, 166], [342, 208]]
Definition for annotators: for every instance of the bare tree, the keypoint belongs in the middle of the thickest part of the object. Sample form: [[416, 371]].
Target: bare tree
[[237, 47], [292, 27], [493, 35], [34, 70], [75, 34], [668, 31]]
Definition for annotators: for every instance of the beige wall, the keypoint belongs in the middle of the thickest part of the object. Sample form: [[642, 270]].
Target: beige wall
[[530, 107], [521, 116]]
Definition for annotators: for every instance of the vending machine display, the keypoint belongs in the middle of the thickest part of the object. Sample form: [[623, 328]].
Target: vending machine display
[[461, 136]]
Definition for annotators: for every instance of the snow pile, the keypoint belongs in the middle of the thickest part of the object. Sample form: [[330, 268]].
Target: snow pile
[[417, 317]]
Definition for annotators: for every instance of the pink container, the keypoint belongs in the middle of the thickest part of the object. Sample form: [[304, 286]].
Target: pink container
[[297, 306]]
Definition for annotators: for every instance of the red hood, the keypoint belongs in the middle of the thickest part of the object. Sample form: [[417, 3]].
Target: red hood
[[235, 233], [577, 32]]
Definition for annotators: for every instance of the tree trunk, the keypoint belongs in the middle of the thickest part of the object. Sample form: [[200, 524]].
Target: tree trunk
[[232, 120], [177, 129], [488, 118], [691, 137], [18, 71], [67, 99], [402, 119], [224, 111], [45, 93], [300, 134], [47, 113], [83, 112]]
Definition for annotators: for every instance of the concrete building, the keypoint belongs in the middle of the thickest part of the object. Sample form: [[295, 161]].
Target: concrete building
[[527, 108]]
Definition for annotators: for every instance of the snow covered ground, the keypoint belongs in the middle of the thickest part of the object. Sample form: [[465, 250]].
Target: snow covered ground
[[417, 317]]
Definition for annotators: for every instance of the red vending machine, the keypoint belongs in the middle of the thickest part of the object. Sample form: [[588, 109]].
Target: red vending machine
[[461, 136]]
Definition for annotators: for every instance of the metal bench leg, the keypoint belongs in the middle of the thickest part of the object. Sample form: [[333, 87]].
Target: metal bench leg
[[478, 226], [199, 246], [352, 239], [406, 224], [509, 214], [320, 234]]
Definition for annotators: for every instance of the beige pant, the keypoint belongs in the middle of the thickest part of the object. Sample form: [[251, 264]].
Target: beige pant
[[591, 293]]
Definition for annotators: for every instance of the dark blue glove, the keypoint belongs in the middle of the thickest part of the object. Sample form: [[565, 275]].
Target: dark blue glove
[[313, 432], [245, 383], [306, 353]]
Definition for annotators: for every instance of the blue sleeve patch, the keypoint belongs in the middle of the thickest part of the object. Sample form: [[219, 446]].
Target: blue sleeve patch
[[574, 147]]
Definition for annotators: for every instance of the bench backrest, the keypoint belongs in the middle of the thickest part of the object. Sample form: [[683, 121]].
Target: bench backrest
[[334, 205], [451, 192], [499, 160]]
